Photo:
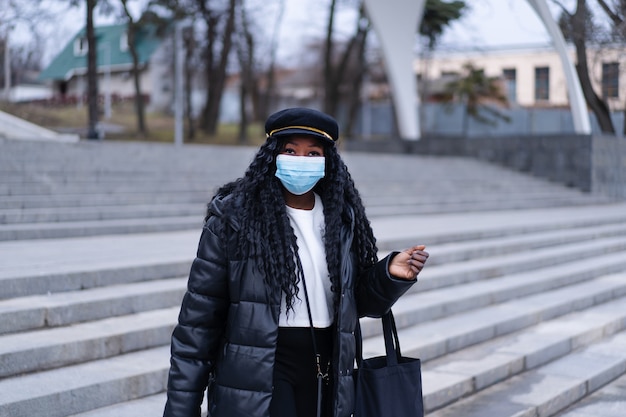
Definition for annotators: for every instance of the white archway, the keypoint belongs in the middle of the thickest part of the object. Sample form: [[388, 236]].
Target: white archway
[[396, 23]]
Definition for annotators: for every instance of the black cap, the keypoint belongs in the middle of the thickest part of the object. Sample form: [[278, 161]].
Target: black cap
[[302, 121]]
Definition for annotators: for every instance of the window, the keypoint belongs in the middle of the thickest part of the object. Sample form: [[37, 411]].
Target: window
[[510, 83], [80, 46], [542, 83], [610, 80]]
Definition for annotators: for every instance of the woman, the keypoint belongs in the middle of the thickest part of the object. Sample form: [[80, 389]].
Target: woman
[[286, 246]]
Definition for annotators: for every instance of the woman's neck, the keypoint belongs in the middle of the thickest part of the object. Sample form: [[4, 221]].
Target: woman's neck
[[301, 202]]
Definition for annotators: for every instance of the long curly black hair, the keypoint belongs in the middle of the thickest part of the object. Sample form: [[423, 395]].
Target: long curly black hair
[[265, 233]]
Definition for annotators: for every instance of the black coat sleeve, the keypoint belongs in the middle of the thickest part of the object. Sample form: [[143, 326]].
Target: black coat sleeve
[[376, 290], [196, 338]]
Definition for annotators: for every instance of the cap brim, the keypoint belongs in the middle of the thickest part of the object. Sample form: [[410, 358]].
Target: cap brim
[[302, 132]]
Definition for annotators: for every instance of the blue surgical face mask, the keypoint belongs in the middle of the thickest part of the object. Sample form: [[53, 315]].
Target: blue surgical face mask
[[299, 174]]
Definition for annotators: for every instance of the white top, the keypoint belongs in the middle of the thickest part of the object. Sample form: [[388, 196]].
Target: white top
[[308, 226]]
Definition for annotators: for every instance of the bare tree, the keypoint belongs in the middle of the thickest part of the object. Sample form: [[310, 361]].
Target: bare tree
[[18, 58], [617, 14], [265, 99], [92, 73], [190, 49], [27, 15], [219, 43], [354, 101], [578, 28], [329, 77], [5, 69], [344, 66], [246, 58], [218, 19], [132, 28]]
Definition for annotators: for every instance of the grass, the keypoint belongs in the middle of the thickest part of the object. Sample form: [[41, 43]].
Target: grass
[[73, 118]]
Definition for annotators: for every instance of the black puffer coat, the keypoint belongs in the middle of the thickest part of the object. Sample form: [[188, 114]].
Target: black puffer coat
[[228, 327]]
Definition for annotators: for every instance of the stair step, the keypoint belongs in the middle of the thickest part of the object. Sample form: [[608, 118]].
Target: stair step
[[147, 406], [418, 307], [152, 183], [66, 308], [73, 264], [64, 346], [608, 401], [467, 372], [401, 231], [41, 202], [549, 260], [469, 206], [71, 281], [74, 389], [152, 405], [99, 227], [71, 214], [377, 205], [549, 389], [463, 251], [82, 264], [449, 334]]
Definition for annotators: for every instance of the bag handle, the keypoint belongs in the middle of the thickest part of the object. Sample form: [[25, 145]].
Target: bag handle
[[392, 342]]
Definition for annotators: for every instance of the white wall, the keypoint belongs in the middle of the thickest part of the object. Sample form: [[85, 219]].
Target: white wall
[[26, 92], [525, 61]]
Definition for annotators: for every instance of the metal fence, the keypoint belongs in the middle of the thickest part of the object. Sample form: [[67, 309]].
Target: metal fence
[[377, 120]]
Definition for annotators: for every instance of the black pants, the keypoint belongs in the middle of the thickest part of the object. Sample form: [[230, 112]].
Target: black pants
[[295, 372]]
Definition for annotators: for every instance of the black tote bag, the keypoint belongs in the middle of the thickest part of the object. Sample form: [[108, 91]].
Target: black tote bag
[[391, 385]]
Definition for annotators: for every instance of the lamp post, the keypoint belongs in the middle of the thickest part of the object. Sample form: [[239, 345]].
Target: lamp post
[[179, 88], [107, 80]]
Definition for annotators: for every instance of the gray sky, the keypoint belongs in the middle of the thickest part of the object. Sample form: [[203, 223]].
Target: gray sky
[[489, 23], [497, 23]]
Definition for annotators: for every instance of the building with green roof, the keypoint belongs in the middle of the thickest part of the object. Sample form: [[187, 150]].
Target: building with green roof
[[66, 73]]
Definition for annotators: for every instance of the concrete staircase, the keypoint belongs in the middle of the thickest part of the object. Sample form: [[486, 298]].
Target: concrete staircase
[[52, 190], [20, 129], [520, 312]]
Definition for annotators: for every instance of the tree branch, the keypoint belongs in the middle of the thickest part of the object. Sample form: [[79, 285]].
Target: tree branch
[[617, 20], [563, 9]]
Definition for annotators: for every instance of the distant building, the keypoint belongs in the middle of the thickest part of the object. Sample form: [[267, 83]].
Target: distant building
[[533, 76], [66, 74]]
